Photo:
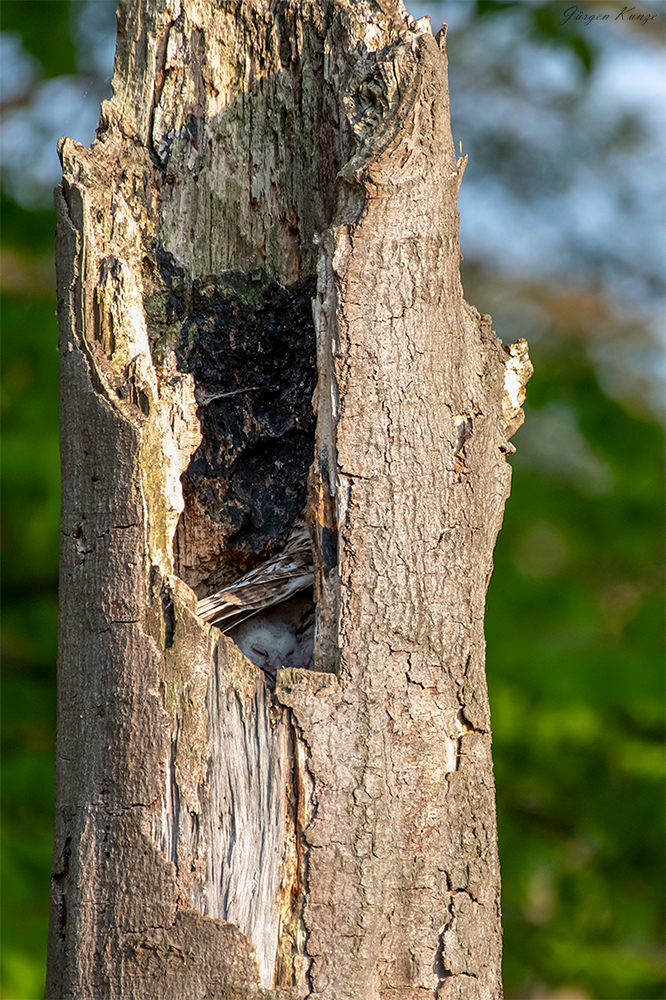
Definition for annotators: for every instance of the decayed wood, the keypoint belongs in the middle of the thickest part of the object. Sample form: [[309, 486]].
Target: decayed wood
[[335, 838]]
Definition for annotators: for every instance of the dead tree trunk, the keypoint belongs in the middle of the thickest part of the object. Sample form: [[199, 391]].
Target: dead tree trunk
[[269, 211]]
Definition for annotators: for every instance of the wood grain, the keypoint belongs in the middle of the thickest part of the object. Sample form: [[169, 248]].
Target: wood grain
[[336, 838]]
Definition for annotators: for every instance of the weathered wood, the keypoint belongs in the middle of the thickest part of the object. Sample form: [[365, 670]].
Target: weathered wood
[[335, 838]]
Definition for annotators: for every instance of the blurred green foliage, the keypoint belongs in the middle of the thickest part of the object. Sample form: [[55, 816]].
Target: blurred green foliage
[[30, 509], [45, 27], [545, 24], [30, 504], [575, 670], [574, 629]]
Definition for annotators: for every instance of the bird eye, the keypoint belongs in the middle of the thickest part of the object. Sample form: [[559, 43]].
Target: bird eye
[[259, 652]]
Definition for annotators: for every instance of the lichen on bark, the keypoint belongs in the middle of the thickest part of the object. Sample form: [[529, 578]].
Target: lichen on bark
[[260, 308]]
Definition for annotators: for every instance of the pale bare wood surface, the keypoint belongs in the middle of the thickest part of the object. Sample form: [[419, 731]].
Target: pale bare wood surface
[[335, 838]]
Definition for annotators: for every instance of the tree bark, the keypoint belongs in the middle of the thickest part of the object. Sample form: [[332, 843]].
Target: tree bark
[[334, 838]]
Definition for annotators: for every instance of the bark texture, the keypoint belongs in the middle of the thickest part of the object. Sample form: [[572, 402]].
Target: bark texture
[[335, 838]]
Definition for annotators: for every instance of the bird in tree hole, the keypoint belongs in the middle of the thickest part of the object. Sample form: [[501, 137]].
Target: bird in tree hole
[[266, 612]]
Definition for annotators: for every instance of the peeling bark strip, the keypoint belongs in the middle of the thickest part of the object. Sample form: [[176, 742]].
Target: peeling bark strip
[[335, 838]]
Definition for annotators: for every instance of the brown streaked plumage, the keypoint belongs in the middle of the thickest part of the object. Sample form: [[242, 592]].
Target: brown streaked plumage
[[276, 580]]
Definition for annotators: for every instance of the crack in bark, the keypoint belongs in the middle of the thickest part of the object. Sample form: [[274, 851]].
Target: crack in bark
[[204, 264]]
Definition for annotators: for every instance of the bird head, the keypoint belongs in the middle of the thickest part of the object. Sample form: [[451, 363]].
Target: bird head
[[271, 646]]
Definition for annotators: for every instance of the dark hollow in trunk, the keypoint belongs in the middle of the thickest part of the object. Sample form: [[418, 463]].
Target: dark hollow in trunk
[[266, 359]]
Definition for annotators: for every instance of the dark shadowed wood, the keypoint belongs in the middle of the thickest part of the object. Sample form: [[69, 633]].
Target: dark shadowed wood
[[334, 838]]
